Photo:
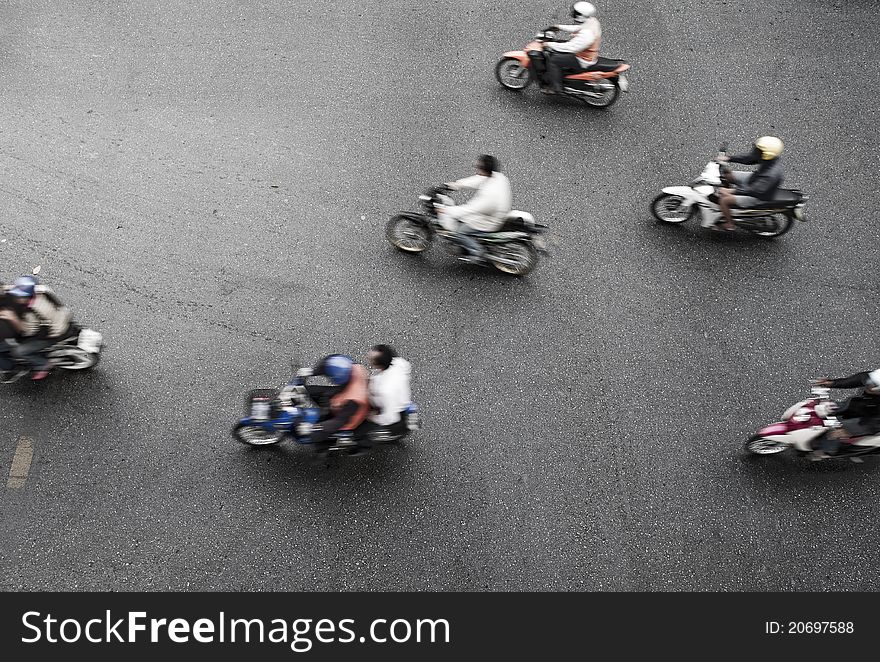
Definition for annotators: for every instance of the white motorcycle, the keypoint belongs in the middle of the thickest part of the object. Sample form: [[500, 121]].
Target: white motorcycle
[[801, 426], [772, 218]]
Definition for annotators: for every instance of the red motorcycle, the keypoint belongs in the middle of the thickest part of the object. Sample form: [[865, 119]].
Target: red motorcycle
[[599, 86]]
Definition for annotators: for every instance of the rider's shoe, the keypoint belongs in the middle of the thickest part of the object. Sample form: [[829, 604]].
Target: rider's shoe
[[40, 374], [818, 456]]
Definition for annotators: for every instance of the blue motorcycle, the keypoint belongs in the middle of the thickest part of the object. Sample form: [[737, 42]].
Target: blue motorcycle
[[273, 415]]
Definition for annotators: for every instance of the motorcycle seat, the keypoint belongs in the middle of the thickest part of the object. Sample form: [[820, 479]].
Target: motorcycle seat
[[518, 221], [781, 198], [605, 64]]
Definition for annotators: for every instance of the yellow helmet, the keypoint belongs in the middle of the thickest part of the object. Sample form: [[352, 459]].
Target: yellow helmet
[[769, 146]]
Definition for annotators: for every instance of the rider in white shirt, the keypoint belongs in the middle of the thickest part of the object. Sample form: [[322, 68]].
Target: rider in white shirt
[[484, 212], [578, 53]]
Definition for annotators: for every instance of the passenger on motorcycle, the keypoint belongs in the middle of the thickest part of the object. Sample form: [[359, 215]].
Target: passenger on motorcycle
[[859, 416], [45, 320], [389, 395], [578, 53], [345, 402], [484, 212], [747, 189]]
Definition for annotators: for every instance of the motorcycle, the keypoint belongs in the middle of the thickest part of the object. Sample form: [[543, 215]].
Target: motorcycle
[[512, 249], [79, 349], [274, 415], [769, 219], [801, 426], [598, 86]]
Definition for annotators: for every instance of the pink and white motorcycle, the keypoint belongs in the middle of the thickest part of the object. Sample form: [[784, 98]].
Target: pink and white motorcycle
[[801, 426]]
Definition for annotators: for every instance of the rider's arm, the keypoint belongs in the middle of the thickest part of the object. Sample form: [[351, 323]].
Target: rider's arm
[[472, 182], [749, 158], [853, 381], [582, 38], [13, 320]]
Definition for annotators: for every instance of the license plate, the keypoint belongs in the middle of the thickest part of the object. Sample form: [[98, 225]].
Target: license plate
[[623, 82], [539, 243], [89, 341], [799, 214]]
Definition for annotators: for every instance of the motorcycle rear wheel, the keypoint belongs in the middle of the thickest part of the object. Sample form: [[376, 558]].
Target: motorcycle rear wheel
[[759, 445], [406, 235], [256, 435], [783, 224], [74, 359], [665, 205], [512, 74], [521, 253], [607, 96]]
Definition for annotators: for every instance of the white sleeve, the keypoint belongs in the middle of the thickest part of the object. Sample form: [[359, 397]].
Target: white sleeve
[[584, 37], [472, 182]]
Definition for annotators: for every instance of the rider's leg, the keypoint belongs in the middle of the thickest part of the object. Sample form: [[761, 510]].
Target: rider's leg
[[465, 235], [333, 425], [558, 65], [725, 203], [31, 352], [538, 63]]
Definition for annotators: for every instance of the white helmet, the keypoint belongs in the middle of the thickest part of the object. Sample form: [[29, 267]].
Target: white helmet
[[581, 11]]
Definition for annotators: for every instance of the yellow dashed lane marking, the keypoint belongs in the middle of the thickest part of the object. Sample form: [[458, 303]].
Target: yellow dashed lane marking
[[21, 463]]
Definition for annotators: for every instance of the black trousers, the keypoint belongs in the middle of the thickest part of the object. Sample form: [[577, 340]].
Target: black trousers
[[331, 422], [362, 435], [560, 65]]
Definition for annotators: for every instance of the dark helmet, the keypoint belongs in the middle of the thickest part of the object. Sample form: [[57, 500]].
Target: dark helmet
[[488, 163], [24, 287], [338, 368]]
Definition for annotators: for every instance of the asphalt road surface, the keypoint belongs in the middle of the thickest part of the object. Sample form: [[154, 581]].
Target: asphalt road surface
[[207, 184]]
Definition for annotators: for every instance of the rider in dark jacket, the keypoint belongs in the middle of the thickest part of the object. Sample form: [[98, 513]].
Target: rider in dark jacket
[[747, 189], [859, 416]]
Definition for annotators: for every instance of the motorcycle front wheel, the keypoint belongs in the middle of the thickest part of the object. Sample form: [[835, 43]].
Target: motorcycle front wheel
[[512, 74], [759, 445], [667, 209], [516, 258], [256, 435], [407, 235], [776, 225]]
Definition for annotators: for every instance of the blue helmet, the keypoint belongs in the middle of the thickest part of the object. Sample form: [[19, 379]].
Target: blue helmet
[[338, 367], [24, 287]]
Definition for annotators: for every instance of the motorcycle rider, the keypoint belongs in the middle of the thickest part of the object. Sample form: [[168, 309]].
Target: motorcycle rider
[[389, 395], [859, 416], [747, 189], [484, 212], [346, 400], [578, 53], [10, 329], [45, 320]]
